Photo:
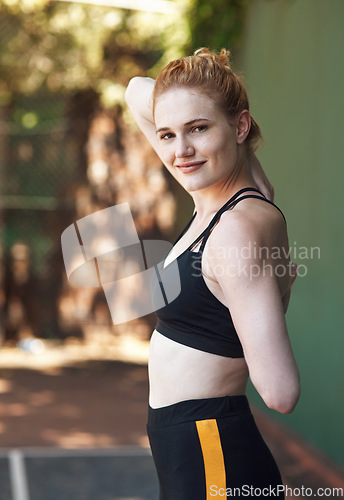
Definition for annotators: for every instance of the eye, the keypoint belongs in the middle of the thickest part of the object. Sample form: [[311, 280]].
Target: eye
[[166, 136], [200, 128]]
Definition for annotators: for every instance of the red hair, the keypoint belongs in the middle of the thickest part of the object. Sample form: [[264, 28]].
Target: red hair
[[210, 73]]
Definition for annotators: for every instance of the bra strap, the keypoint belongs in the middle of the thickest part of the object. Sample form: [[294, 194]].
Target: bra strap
[[186, 228], [228, 206], [204, 235]]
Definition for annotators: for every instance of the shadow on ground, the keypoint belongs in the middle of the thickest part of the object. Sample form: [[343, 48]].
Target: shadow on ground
[[92, 403]]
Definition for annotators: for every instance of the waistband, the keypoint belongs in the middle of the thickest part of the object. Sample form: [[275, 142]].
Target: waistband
[[198, 409]]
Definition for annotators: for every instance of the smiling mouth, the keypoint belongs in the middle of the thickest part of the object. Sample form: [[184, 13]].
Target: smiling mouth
[[190, 166]]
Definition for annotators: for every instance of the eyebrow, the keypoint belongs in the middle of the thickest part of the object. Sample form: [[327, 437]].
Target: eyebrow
[[163, 129]]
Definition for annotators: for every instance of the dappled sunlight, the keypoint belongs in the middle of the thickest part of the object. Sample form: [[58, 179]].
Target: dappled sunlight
[[41, 398], [84, 403], [100, 343], [5, 386], [143, 441], [14, 410], [77, 439]]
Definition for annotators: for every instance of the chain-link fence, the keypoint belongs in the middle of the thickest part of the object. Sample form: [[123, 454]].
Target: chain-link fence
[[37, 169]]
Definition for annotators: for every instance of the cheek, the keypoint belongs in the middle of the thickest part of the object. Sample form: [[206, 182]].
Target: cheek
[[225, 146], [165, 154], [216, 142], [215, 148], [167, 157], [224, 154]]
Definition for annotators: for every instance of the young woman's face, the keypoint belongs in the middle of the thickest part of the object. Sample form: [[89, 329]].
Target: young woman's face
[[197, 143]]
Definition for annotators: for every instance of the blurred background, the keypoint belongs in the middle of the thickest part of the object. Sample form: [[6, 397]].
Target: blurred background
[[69, 378]]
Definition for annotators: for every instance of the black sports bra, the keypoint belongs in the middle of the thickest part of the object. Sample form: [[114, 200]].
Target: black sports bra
[[196, 318]]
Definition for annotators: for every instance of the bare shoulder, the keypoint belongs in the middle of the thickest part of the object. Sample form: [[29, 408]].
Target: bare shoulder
[[251, 220]]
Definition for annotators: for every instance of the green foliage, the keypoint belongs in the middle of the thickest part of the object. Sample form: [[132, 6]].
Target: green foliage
[[217, 24], [67, 47]]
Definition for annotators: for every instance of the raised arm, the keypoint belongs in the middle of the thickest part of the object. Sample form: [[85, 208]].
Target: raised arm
[[138, 97]]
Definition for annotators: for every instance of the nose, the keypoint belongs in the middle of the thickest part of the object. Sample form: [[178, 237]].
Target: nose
[[183, 148]]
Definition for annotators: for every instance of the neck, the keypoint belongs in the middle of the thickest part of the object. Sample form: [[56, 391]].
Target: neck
[[209, 200]]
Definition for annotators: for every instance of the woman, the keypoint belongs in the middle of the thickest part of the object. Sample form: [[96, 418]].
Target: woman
[[228, 321]]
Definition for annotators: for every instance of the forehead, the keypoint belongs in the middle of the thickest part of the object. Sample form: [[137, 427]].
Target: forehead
[[181, 105]]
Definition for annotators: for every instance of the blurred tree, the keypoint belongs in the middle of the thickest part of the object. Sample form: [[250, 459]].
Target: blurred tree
[[70, 46], [217, 23], [64, 69]]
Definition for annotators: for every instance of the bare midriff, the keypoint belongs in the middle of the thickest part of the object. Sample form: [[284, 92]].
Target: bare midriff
[[178, 373]]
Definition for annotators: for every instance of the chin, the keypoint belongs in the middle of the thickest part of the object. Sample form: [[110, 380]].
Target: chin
[[191, 187], [196, 185]]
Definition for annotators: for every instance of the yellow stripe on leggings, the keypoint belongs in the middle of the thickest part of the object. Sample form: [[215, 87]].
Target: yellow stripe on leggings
[[214, 465]]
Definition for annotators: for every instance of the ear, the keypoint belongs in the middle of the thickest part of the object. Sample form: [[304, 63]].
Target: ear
[[243, 125]]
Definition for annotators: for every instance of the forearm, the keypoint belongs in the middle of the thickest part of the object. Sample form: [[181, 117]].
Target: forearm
[[269, 356]]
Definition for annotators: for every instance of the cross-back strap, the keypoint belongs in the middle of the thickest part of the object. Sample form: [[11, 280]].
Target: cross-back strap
[[204, 235]]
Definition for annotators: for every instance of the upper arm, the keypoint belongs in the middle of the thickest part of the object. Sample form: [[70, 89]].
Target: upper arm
[[138, 97], [253, 296]]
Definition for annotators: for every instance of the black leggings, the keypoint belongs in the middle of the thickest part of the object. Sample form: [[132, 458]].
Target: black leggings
[[211, 448]]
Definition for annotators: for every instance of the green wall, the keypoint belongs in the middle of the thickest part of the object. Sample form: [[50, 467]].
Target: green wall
[[292, 59]]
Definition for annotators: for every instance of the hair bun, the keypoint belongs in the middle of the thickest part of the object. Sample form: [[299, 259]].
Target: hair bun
[[203, 51], [224, 57], [221, 58]]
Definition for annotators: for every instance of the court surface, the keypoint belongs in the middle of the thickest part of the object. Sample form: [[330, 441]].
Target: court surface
[[120, 473]]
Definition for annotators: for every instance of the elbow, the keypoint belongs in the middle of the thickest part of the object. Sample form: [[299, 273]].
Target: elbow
[[284, 402], [131, 90], [284, 407]]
